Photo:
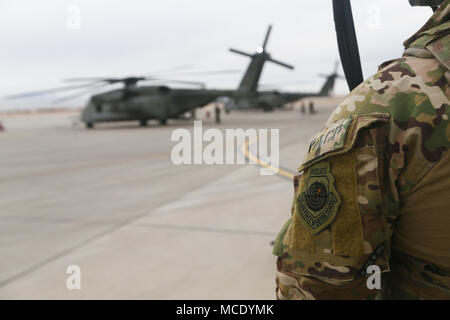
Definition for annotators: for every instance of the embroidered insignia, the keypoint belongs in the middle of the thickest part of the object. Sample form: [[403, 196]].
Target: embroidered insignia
[[331, 138], [318, 201]]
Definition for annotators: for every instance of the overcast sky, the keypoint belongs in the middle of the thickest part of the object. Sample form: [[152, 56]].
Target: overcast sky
[[43, 43]]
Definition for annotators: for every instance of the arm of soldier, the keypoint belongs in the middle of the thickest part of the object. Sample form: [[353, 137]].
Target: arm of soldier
[[332, 263]]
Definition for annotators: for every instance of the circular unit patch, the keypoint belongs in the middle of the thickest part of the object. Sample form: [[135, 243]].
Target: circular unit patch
[[316, 196]]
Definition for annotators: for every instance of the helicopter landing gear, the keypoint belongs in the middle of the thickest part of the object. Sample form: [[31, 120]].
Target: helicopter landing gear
[[143, 122], [265, 106], [163, 122], [89, 125]]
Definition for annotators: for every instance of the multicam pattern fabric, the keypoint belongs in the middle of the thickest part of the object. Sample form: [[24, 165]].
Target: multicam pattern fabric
[[398, 132]]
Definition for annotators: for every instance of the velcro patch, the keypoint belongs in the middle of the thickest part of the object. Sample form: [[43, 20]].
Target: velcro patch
[[319, 201], [331, 138], [338, 137]]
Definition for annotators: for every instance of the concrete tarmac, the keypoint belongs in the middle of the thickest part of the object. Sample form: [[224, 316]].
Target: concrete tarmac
[[111, 201]]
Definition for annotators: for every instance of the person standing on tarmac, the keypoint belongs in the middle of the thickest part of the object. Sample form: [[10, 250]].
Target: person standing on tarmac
[[217, 113]]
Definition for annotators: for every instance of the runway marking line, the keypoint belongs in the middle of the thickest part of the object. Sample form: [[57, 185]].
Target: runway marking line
[[261, 163]]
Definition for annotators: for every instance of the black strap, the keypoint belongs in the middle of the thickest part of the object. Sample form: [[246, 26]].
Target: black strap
[[371, 260], [347, 43]]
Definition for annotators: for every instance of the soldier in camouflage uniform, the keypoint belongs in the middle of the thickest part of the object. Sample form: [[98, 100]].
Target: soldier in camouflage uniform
[[374, 187]]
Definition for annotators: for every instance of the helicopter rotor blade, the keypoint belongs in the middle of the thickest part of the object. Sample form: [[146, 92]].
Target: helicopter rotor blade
[[164, 70], [267, 37], [336, 66], [281, 63], [84, 79], [80, 93], [241, 52], [108, 80], [277, 83], [47, 91], [202, 84], [127, 81], [335, 74], [205, 72]]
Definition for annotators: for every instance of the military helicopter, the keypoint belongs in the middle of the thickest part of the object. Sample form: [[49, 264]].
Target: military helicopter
[[132, 102], [269, 100], [161, 102]]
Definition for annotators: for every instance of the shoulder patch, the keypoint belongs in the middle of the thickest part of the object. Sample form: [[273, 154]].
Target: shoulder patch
[[331, 138], [338, 137], [318, 204]]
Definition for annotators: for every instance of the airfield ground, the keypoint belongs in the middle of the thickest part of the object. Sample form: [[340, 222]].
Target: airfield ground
[[111, 201]]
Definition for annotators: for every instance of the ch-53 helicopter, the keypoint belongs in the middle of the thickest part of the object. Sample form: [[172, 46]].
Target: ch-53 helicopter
[[269, 100], [161, 102]]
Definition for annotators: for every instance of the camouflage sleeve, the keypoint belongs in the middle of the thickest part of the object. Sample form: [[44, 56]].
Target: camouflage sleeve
[[338, 225], [376, 147]]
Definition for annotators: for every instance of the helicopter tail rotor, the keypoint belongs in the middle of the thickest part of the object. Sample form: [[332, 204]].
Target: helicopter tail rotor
[[328, 86], [266, 39], [288, 66], [241, 52], [249, 82]]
